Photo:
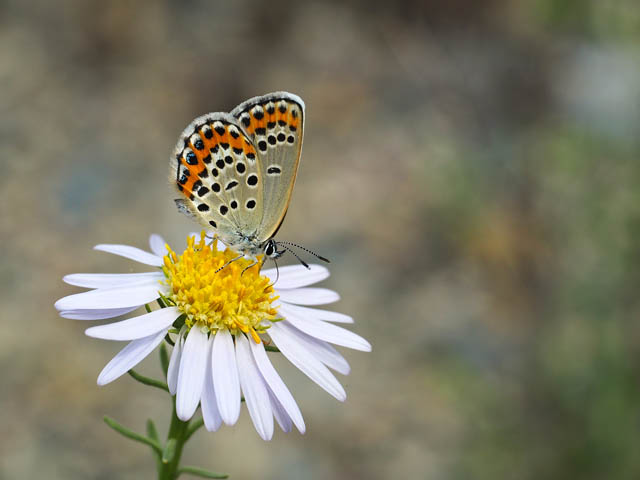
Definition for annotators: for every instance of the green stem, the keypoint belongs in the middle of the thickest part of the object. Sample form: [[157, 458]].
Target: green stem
[[193, 428], [122, 430], [201, 472], [152, 382], [178, 436]]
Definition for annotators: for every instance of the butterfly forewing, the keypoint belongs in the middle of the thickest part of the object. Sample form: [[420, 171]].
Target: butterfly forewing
[[275, 125], [215, 166]]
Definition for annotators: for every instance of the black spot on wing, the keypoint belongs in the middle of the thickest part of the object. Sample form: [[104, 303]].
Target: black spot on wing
[[191, 158]]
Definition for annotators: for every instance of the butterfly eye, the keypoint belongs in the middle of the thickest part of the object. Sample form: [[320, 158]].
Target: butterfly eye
[[269, 248]]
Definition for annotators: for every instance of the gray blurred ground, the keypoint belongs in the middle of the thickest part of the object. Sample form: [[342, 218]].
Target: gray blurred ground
[[471, 168]]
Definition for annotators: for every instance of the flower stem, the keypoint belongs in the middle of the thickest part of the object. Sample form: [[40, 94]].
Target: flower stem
[[176, 438], [152, 382]]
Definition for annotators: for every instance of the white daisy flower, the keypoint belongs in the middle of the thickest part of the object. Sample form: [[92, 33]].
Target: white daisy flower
[[224, 321]]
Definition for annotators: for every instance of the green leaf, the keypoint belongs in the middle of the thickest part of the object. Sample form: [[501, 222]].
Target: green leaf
[[167, 339], [151, 431], [133, 435], [152, 382], [169, 451], [179, 322], [271, 348], [164, 359], [201, 472], [147, 308], [161, 301]]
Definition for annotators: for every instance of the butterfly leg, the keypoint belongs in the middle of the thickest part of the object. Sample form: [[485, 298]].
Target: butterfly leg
[[255, 262], [277, 271], [229, 262]]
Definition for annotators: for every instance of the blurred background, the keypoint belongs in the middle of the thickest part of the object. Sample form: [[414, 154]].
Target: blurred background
[[470, 167]]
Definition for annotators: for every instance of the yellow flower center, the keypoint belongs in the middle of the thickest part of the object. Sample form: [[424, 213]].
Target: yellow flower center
[[233, 298]]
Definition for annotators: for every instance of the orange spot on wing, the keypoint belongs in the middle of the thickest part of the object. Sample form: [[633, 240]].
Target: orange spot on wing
[[193, 178], [282, 116], [262, 123], [209, 143], [224, 138], [236, 142]]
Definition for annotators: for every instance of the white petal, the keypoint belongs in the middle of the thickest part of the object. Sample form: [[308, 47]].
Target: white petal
[[225, 377], [110, 298], [256, 394], [281, 416], [174, 362], [136, 327], [131, 252], [296, 276], [210, 412], [277, 386], [191, 375], [307, 363], [318, 313], [319, 349], [308, 296], [157, 245], [98, 314], [325, 331], [129, 357], [110, 280]]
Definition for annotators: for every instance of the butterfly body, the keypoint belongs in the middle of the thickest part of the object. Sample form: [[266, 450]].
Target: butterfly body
[[235, 171]]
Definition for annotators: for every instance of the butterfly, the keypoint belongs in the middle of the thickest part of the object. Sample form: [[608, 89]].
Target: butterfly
[[235, 172]]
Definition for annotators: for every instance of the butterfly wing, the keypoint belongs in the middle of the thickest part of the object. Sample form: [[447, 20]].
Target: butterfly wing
[[275, 125], [215, 168]]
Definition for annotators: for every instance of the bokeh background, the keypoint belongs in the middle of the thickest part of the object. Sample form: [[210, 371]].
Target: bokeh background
[[470, 166]]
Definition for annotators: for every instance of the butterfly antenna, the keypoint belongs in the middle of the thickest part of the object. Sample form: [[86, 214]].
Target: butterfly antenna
[[294, 254], [229, 262], [306, 250]]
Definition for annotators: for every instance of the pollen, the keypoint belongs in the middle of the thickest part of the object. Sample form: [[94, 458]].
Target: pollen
[[232, 298]]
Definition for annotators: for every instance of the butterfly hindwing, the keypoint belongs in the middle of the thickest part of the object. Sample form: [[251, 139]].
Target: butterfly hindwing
[[215, 166], [275, 125]]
